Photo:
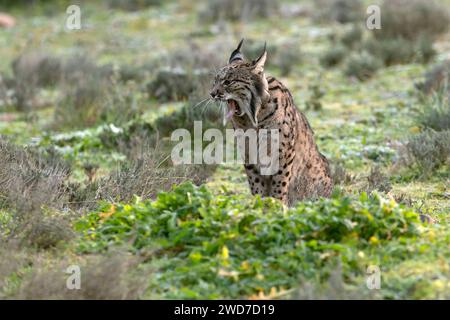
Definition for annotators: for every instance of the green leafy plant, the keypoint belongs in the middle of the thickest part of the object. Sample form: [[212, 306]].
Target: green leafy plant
[[214, 246]]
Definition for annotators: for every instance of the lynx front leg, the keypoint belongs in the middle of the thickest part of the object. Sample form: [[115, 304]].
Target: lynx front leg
[[258, 183], [280, 181]]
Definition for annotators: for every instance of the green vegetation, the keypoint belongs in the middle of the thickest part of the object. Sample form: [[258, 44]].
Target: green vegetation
[[228, 246], [409, 30], [362, 66], [403, 18], [430, 150]]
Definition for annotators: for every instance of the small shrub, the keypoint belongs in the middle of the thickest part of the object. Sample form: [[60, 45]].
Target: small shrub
[[252, 48], [137, 73], [136, 139], [425, 51], [30, 183], [123, 104], [429, 150], [132, 5], [342, 11], [92, 94], [175, 84], [288, 56], [391, 51], [33, 70], [435, 113], [235, 10], [84, 88], [30, 179], [340, 175], [145, 177], [394, 51], [80, 66], [410, 19], [184, 118], [37, 68], [193, 56], [314, 101], [109, 277], [6, 96], [436, 79], [378, 181], [24, 96], [47, 232], [362, 66], [353, 37], [80, 105], [333, 56]]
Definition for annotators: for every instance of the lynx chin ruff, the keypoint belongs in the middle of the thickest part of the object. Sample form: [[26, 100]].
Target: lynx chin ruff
[[257, 101]]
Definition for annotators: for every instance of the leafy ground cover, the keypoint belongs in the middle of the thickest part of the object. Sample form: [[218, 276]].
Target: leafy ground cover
[[76, 155], [218, 245]]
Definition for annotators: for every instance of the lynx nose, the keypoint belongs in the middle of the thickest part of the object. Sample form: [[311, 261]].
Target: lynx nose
[[214, 93]]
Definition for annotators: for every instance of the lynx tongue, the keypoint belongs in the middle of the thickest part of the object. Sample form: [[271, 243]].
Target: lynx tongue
[[231, 108]]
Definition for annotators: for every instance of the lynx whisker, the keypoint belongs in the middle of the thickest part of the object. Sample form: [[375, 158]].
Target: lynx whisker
[[199, 103], [206, 106]]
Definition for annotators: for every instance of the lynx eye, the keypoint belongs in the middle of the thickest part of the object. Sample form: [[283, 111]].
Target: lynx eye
[[226, 82]]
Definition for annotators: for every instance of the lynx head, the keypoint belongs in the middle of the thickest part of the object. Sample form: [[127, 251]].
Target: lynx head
[[242, 85]]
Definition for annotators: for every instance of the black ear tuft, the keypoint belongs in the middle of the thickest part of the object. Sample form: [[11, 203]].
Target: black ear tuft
[[258, 64], [237, 55], [263, 52]]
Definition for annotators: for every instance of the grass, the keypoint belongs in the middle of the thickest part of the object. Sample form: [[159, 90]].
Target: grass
[[219, 242]]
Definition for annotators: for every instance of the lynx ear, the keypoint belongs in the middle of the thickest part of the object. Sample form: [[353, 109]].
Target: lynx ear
[[258, 64], [237, 55]]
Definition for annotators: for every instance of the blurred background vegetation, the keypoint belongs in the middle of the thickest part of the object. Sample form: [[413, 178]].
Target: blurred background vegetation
[[86, 116]]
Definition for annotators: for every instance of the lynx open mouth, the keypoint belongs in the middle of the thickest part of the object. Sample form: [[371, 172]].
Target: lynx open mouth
[[233, 109]]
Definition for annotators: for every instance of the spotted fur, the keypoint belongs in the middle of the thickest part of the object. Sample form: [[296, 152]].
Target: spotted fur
[[265, 103]]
